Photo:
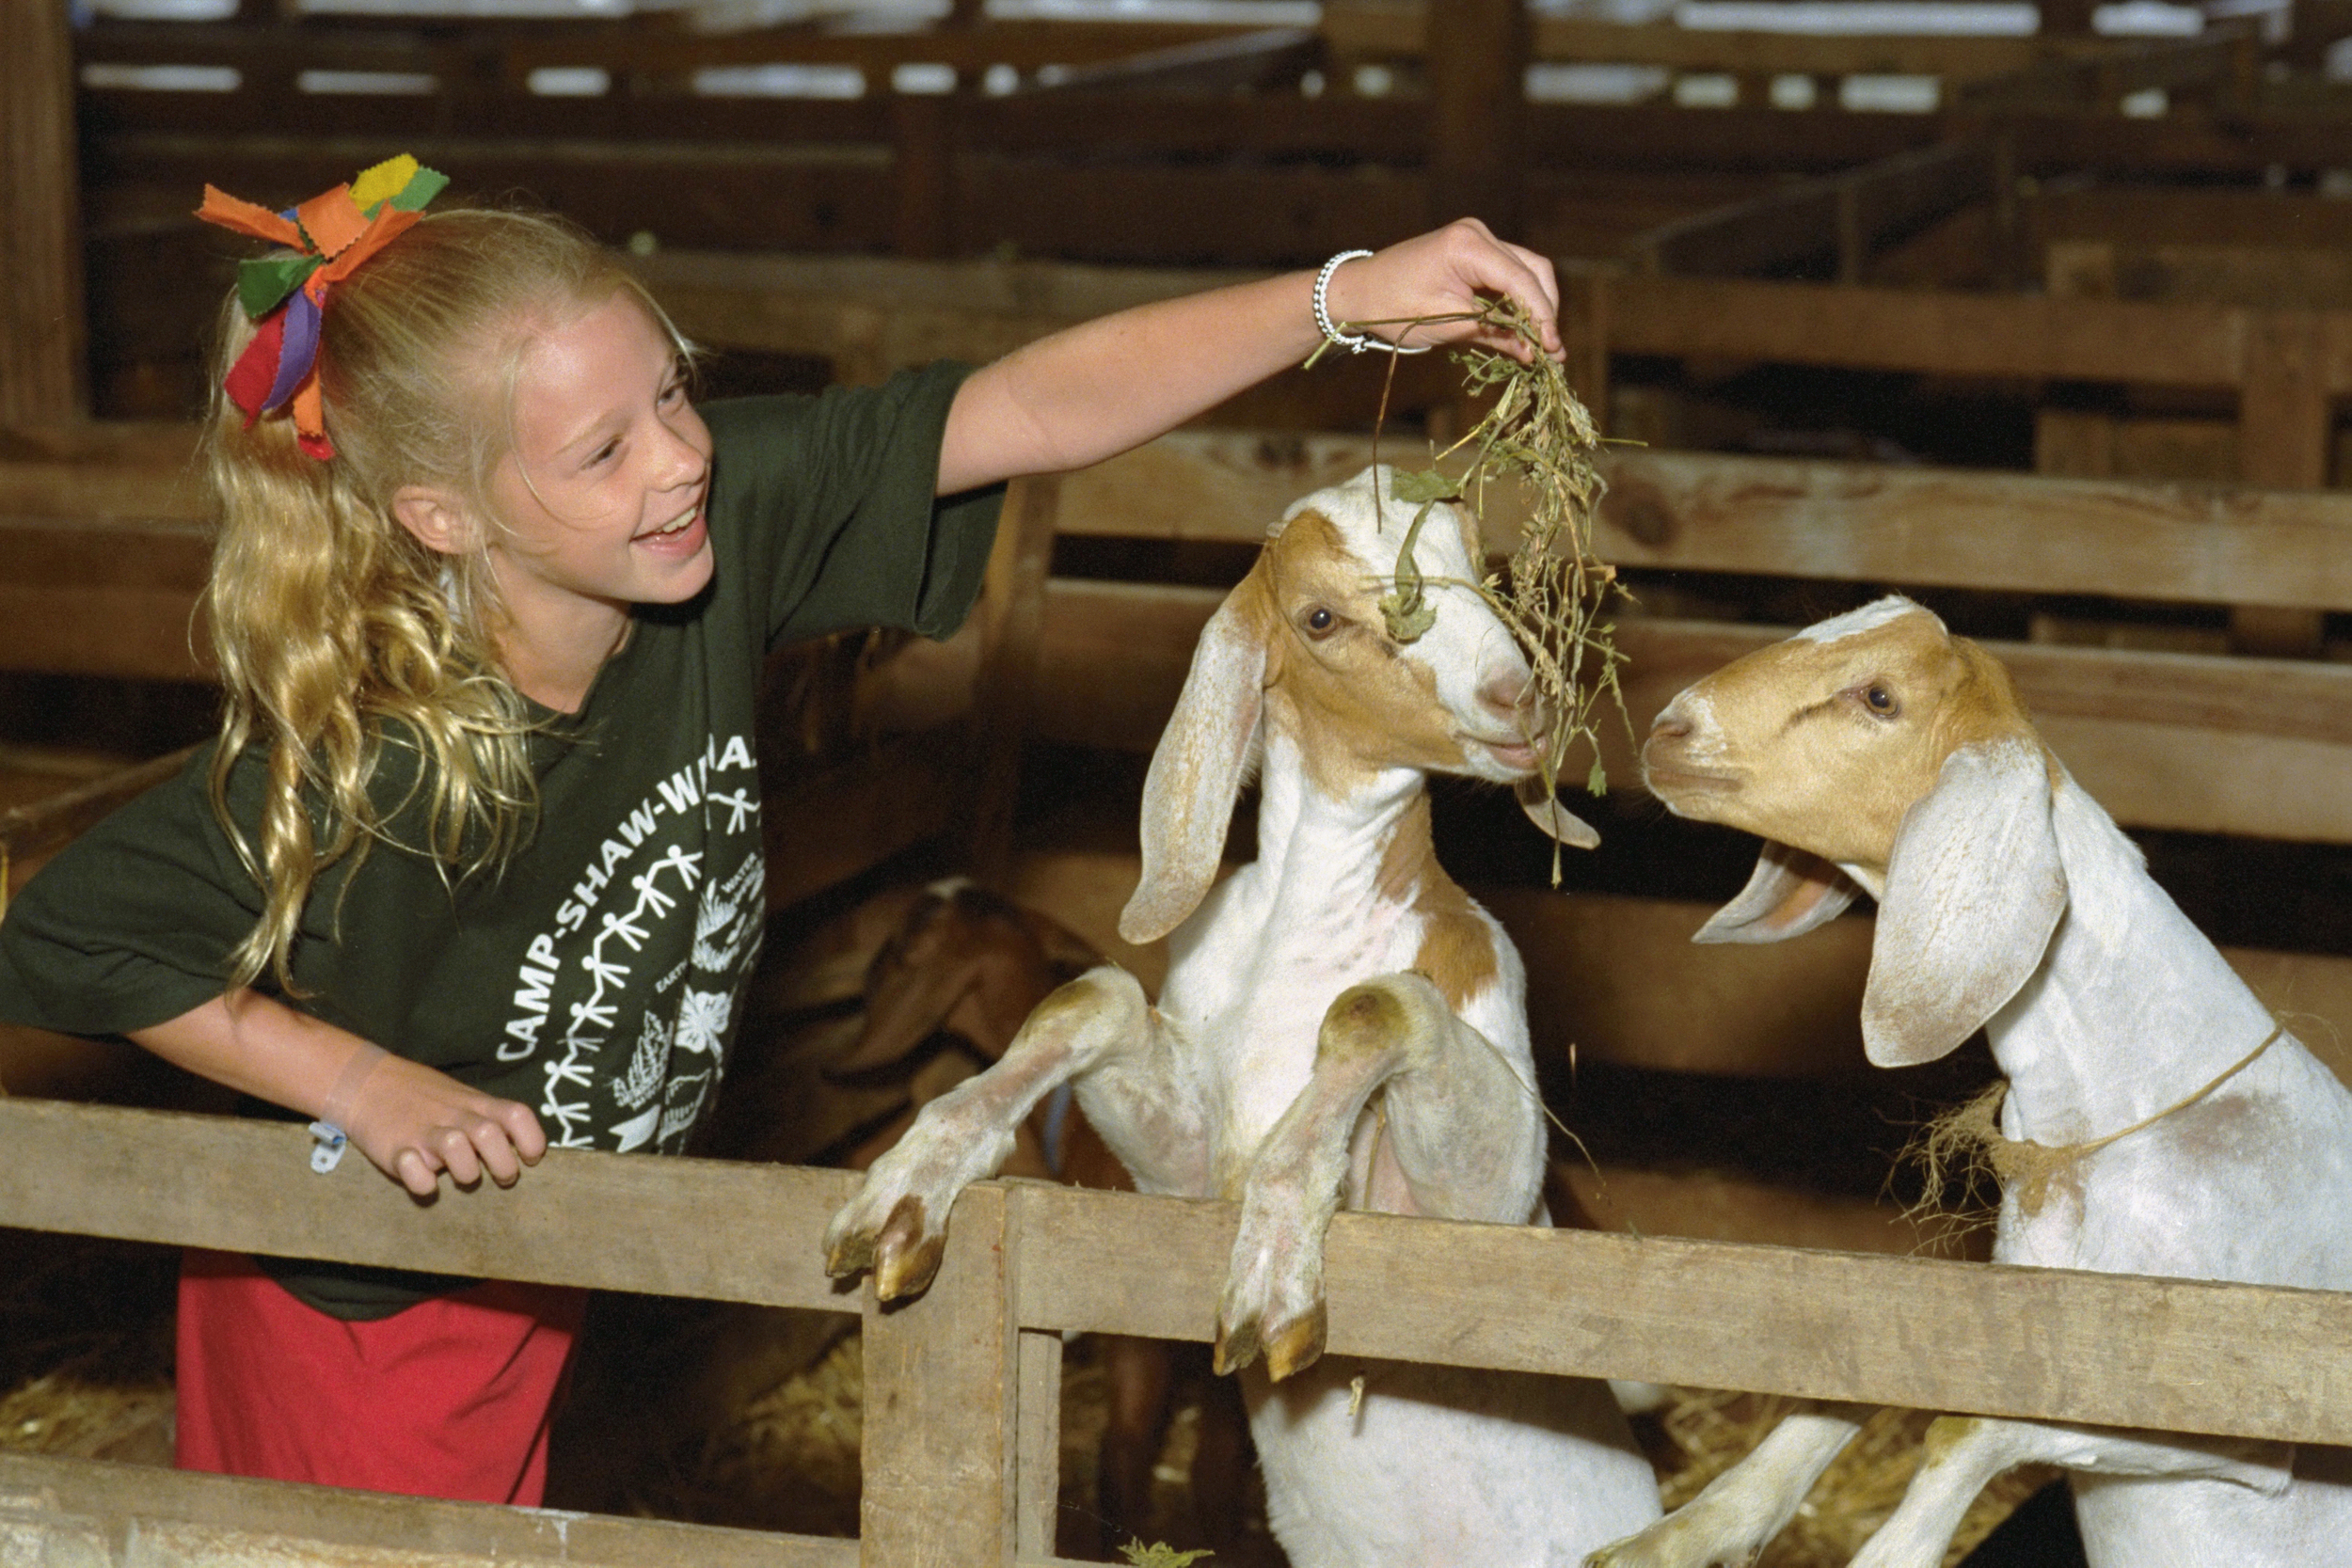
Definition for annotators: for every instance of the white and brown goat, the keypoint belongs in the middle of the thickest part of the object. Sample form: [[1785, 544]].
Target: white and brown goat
[[1343, 967], [1876, 751]]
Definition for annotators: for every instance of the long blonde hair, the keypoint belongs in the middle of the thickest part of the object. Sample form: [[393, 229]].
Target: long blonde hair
[[331, 624]]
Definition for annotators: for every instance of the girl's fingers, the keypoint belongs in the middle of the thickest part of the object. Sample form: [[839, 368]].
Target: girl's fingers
[[522, 1129], [419, 1176], [458, 1155]]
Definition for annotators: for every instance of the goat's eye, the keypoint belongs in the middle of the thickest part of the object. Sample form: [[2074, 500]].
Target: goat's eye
[[1319, 622], [1882, 702]]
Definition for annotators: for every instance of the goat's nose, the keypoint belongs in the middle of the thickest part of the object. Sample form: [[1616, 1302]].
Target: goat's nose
[[1669, 725], [1506, 692]]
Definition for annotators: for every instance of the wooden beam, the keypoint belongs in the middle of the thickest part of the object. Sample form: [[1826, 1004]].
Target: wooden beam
[[1477, 69], [1828, 1324], [1796, 518], [1013, 607], [1401, 31], [1833, 1326], [247, 1186], [1951, 334], [90, 1513], [2286, 424], [943, 1376], [1843, 214], [2184, 741], [42, 378]]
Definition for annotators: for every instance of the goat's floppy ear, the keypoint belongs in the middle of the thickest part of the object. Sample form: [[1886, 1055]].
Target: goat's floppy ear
[[1790, 892], [1197, 769], [1974, 890]]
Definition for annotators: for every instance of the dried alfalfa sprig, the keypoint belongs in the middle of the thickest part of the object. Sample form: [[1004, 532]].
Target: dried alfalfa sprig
[[1538, 435]]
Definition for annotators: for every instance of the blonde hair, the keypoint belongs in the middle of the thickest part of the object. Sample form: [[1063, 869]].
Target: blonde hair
[[331, 624]]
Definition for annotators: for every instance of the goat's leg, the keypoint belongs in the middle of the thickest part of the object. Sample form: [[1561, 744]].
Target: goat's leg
[[1727, 1523], [897, 1224], [1963, 1452], [1468, 1134]]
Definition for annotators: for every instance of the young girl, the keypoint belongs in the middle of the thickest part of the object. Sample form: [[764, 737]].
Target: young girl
[[475, 864]]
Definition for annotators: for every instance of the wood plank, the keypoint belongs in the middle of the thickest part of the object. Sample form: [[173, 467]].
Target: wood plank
[[942, 1379], [42, 335], [1949, 334], [703, 1228], [1400, 30], [2286, 424], [1476, 66], [184, 1517], [1847, 212], [2193, 742], [1013, 607], [1038, 1467], [1780, 516], [2239, 1359], [2173, 543]]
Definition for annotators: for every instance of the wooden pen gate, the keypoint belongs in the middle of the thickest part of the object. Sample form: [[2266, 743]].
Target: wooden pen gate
[[961, 1401]]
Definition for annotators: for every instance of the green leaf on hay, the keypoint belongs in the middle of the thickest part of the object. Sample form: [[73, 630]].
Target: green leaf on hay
[[1596, 782], [1422, 486], [1159, 1554]]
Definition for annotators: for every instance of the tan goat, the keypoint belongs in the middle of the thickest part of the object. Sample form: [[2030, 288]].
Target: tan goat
[[2189, 1134]]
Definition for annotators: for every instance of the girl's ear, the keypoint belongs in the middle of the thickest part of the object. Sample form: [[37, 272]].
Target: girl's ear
[[1197, 769], [1790, 892], [1974, 890], [440, 522]]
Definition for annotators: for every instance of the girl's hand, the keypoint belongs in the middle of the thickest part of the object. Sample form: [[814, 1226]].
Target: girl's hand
[[414, 1123], [1444, 273]]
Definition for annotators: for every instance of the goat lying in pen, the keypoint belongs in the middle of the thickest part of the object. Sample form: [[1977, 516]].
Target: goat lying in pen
[[1342, 966], [2158, 1120]]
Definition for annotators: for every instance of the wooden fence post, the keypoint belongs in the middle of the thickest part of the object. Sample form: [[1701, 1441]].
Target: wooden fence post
[[1015, 608], [1477, 62], [42, 377], [2286, 420], [942, 1379]]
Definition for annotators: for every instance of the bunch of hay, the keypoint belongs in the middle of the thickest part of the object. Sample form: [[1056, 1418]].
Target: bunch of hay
[[1699, 1434], [1538, 436]]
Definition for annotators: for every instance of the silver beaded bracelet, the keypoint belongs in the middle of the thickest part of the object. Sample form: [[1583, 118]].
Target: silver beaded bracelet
[[1355, 342]]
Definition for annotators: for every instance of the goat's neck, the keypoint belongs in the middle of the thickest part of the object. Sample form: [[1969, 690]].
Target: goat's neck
[[2133, 1010], [1336, 850]]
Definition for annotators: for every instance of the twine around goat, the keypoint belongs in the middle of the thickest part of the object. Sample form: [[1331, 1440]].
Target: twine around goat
[[1969, 1138]]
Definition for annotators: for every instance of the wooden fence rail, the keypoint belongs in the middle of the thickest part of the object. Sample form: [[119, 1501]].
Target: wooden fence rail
[[959, 1413]]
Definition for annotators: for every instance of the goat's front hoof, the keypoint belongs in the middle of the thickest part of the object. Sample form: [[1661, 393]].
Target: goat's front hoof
[[1297, 1345], [1292, 1347], [1237, 1346], [908, 1254]]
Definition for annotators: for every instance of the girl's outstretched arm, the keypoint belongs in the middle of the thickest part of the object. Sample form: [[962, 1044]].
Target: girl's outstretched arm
[[1098, 389], [411, 1121]]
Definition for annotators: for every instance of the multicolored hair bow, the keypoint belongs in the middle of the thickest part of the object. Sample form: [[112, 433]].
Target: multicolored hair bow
[[331, 234]]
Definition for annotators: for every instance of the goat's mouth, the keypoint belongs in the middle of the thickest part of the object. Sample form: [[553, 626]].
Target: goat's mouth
[[1517, 752], [1666, 780]]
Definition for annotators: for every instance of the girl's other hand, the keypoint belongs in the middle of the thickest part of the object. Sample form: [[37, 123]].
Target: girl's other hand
[[1446, 271], [414, 1123]]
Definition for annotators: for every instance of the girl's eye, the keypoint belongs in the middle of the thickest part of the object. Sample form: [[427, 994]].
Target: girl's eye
[[603, 453], [1319, 622]]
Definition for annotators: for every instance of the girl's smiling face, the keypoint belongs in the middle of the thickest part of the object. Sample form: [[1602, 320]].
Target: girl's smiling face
[[600, 500]]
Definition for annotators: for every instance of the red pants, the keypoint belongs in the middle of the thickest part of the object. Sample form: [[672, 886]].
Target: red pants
[[450, 1398]]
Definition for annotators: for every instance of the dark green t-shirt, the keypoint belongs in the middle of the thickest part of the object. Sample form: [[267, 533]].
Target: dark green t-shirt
[[598, 977]]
